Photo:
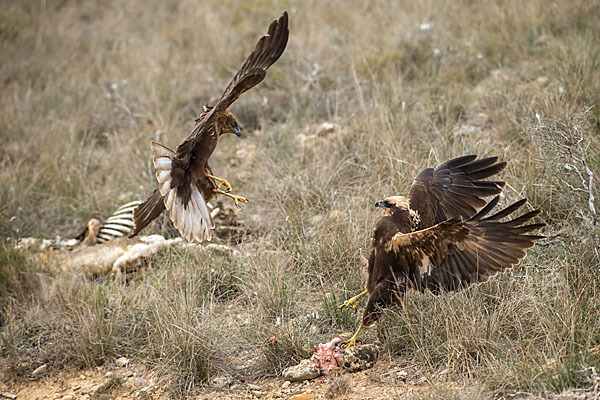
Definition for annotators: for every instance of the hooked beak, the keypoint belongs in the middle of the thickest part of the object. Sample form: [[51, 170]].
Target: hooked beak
[[237, 131], [381, 203]]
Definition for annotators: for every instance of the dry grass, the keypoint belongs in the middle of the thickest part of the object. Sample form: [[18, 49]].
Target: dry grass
[[85, 86]]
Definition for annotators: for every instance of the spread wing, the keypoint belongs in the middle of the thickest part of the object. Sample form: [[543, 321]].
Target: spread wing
[[453, 254], [268, 50], [454, 189]]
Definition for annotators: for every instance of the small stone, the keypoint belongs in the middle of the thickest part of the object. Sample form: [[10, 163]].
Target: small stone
[[9, 395], [105, 396], [358, 358], [139, 382], [303, 396], [258, 393], [481, 119], [285, 384], [303, 371], [39, 371], [325, 129], [542, 80], [402, 375], [221, 381], [122, 362], [253, 387], [128, 373], [75, 387], [68, 397], [86, 390]]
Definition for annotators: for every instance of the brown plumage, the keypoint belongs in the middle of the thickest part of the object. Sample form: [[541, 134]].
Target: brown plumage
[[440, 237], [185, 180]]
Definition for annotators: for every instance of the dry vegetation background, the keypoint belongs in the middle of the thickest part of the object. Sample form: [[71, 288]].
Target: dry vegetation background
[[86, 85]]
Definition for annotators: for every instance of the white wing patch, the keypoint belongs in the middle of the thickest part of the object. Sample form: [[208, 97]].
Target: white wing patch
[[192, 220], [425, 267]]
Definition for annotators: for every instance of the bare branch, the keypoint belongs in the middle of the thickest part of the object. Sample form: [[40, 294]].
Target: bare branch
[[564, 143]]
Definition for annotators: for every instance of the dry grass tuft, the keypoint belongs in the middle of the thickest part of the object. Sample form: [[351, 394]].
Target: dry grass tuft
[[339, 386]]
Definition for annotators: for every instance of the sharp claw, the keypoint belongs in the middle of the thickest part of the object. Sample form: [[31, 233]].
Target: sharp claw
[[238, 199]]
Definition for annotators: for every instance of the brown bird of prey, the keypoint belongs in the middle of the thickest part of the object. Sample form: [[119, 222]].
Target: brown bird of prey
[[185, 180], [441, 238]]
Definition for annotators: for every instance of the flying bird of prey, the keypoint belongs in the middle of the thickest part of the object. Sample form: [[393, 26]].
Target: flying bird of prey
[[441, 238], [185, 180]]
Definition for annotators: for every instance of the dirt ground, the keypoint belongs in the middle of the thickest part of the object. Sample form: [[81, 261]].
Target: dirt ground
[[390, 378]]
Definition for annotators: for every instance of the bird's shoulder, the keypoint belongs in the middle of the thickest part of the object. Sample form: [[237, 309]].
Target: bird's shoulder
[[388, 226]]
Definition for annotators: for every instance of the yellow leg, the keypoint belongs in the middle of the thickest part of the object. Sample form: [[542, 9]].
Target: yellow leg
[[352, 302], [236, 199], [352, 341], [222, 182]]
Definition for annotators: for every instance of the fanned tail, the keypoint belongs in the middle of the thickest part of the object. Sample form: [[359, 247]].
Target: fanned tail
[[192, 218]]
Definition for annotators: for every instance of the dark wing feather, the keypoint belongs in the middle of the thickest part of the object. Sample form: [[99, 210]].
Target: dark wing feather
[[147, 212], [455, 189], [268, 50], [453, 254]]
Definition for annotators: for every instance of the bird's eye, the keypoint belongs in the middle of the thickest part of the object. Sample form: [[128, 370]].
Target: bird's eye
[[234, 125]]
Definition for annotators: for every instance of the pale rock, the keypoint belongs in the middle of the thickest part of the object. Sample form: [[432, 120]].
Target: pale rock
[[303, 371], [542, 80], [139, 382], [221, 381], [303, 396], [402, 375], [325, 129], [104, 396], [39, 371], [253, 387], [285, 384], [9, 395], [122, 362]]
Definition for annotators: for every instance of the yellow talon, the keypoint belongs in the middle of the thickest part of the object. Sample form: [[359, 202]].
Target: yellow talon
[[221, 182], [352, 301], [236, 199], [352, 341]]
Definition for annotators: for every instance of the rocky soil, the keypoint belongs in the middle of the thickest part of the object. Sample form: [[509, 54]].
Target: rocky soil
[[389, 378]]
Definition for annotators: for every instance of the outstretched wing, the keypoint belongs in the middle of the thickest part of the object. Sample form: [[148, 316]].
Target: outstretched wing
[[268, 50], [453, 254], [454, 189]]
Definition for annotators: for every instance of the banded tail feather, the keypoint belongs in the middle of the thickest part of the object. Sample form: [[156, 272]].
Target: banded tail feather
[[192, 219]]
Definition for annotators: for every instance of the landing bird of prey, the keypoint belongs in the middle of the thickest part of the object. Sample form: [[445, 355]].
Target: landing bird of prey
[[185, 180], [441, 238]]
